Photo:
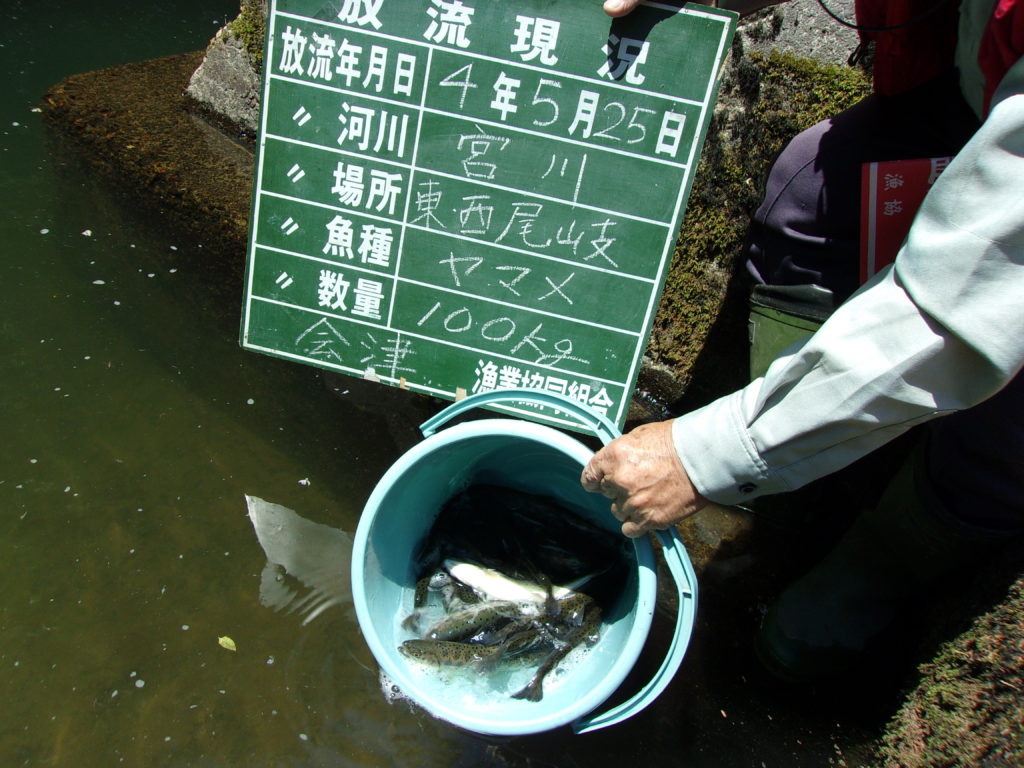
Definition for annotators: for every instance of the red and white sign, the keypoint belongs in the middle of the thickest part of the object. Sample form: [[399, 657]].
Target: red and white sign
[[891, 193]]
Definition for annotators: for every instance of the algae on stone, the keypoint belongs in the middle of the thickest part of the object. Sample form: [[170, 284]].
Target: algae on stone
[[966, 707], [250, 26]]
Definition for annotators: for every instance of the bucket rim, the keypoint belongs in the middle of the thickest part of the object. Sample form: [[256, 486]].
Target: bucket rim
[[588, 700]]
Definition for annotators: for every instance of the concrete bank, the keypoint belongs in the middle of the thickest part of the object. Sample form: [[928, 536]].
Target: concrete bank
[[131, 122]]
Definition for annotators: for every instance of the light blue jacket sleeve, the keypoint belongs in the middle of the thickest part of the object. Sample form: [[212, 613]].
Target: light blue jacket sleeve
[[940, 331]]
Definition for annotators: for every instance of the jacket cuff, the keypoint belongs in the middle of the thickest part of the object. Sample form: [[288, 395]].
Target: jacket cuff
[[722, 461]]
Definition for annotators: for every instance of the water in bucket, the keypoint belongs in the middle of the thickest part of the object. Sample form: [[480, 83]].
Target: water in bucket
[[510, 585]]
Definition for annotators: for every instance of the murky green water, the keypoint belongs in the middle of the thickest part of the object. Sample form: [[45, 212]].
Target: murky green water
[[133, 428]]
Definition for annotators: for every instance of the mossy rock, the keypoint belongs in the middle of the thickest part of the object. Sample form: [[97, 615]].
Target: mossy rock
[[250, 26], [965, 708]]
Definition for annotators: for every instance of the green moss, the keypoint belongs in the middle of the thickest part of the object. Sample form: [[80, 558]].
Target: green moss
[[966, 708], [809, 91], [251, 28]]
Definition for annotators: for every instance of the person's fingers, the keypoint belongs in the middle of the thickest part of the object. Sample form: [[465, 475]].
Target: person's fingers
[[595, 477], [591, 476], [618, 508], [610, 489], [616, 8], [633, 530], [644, 478]]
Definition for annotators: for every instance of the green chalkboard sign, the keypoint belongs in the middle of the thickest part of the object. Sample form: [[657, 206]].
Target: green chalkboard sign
[[456, 196]]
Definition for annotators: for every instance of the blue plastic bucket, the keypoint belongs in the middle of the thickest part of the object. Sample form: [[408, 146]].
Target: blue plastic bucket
[[529, 457]]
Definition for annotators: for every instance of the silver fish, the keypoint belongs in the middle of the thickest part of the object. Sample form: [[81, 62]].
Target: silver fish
[[495, 585]]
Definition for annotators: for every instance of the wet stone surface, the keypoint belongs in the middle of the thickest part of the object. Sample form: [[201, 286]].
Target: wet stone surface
[[132, 122]]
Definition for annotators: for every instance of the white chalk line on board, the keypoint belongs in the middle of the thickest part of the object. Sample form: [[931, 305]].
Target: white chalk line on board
[[498, 60], [433, 339], [461, 238]]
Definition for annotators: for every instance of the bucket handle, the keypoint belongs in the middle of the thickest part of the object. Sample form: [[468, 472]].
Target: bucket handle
[[673, 549], [686, 587], [597, 423]]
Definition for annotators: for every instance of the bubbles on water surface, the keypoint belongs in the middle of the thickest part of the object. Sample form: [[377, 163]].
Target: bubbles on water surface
[[390, 689]]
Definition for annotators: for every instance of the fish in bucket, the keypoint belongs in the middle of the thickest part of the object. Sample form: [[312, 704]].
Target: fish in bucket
[[523, 661]]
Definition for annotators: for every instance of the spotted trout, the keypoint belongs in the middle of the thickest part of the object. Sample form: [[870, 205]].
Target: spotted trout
[[591, 619], [441, 653], [467, 622]]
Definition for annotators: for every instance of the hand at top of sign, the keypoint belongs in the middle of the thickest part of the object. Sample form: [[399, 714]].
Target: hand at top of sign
[[642, 474], [619, 7], [743, 7]]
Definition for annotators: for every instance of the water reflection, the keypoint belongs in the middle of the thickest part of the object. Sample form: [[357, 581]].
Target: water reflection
[[316, 555]]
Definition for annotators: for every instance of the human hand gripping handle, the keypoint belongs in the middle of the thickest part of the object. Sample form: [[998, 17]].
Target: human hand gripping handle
[[642, 474]]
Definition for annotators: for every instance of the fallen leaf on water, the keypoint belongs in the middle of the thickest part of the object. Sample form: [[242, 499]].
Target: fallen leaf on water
[[227, 642]]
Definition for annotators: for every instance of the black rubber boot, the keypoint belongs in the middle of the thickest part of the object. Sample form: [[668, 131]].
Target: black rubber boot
[[822, 624]]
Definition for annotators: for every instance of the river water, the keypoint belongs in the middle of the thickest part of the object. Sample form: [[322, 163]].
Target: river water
[[134, 429]]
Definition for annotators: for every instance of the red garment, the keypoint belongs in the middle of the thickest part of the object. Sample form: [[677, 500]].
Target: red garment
[[915, 52], [1002, 45]]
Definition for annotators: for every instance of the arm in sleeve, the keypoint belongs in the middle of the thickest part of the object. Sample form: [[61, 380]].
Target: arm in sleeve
[[940, 331]]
